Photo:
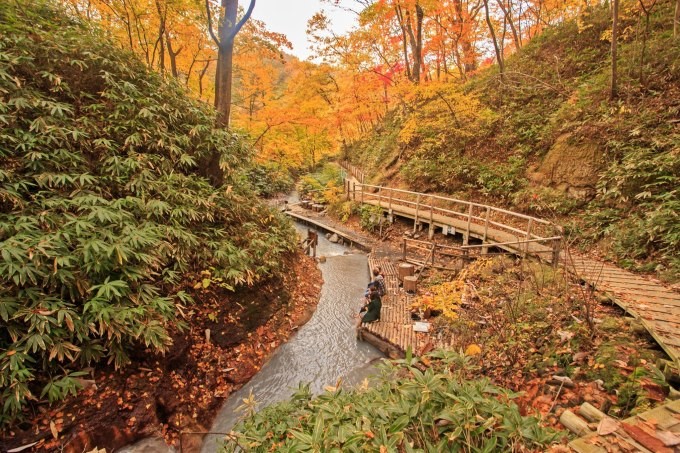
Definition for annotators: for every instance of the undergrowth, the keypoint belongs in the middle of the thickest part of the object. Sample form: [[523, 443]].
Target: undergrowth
[[102, 212], [415, 405]]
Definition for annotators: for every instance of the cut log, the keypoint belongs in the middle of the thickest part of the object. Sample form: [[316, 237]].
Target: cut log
[[574, 423], [405, 270], [410, 284], [590, 412]]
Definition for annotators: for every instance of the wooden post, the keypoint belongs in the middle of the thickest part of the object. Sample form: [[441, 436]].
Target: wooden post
[[574, 424], [528, 236], [362, 193], [466, 239], [556, 252], [380, 197], [486, 223], [415, 221], [390, 204], [591, 413], [354, 191], [431, 232]]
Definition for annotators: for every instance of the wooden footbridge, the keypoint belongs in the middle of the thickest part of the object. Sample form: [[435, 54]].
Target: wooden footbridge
[[654, 305], [492, 226]]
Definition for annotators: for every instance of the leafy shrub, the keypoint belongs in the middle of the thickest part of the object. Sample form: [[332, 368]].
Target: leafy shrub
[[342, 210], [269, 179], [501, 180], [101, 211], [324, 186], [544, 201], [370, 216], [406, 410]]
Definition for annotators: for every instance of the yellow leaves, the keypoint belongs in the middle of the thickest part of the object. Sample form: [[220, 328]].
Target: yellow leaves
[[473, 350], [447, 297], [409, 131], [53, 430]]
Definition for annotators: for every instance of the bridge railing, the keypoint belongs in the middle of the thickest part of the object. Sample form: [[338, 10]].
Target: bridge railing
[[521, 232], [353, 170]]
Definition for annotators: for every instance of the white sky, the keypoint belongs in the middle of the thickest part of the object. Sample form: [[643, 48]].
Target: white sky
[[290, 18]]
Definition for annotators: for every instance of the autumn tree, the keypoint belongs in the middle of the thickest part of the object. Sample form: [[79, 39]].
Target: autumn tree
[[228, 28]]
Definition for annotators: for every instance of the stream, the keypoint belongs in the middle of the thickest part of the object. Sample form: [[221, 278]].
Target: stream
[[324, 350]]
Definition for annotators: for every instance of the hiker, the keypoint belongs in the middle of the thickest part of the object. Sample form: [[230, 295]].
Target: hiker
[[380, 271], [372, 309], [379, 282]]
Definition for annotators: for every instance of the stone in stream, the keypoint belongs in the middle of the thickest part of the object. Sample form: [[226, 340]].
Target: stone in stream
[[334, 239], [322, 259]]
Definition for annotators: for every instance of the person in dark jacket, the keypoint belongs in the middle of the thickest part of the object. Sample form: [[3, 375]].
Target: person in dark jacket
[[373, 307]]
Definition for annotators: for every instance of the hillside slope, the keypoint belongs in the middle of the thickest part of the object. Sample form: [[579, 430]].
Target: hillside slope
[[546, 139], [104, 219]]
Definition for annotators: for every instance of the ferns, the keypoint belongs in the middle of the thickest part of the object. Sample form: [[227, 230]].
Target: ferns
[[101, 212]]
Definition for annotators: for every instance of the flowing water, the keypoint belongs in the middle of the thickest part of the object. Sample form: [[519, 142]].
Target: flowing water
[[324, 350]]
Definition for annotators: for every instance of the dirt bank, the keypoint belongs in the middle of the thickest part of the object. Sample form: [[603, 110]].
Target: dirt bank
[[181, 391]]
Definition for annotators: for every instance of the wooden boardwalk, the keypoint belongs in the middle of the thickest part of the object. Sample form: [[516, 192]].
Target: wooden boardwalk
[[500, 228], [657, 307], [394, 333], [654, 305]]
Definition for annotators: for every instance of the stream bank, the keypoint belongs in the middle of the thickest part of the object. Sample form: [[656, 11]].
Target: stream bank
[[322, 352], [161, 396]]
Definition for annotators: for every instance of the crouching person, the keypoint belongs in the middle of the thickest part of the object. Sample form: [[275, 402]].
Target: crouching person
[[372, 308]]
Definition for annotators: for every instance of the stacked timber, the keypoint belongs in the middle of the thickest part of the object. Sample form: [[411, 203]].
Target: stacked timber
[[657, 430]]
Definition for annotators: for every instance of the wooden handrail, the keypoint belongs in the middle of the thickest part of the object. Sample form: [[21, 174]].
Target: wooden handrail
[[466, 203], [481, 215]]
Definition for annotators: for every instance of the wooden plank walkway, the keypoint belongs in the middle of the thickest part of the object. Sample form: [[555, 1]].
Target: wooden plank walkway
[[657, 307], [654, 305], [310, 217], [660, 423], [479, 221], [394, 333]]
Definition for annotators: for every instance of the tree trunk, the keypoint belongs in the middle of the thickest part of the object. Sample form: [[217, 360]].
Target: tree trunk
[[173, 56], [417, 54], [227, 30], [200, 78], [223, 79], [615, 34], [507, 12], [402, 25], [499, 54]]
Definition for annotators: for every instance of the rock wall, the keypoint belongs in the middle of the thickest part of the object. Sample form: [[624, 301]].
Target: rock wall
[[570, 166]]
